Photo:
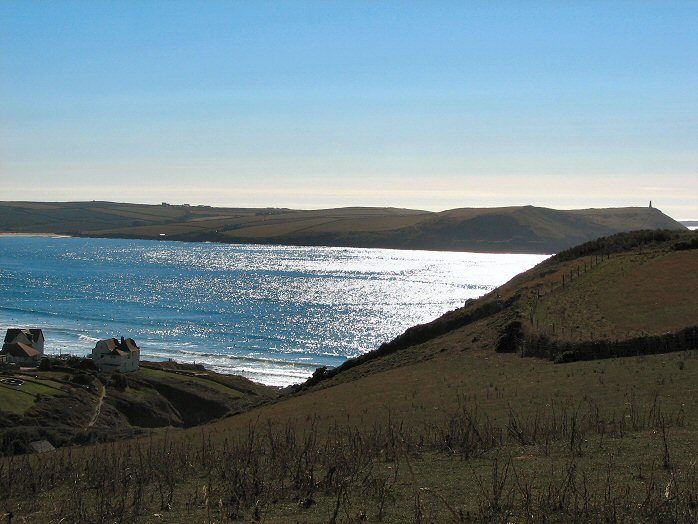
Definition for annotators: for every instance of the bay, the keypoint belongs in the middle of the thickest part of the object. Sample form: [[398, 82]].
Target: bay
[[270, 313]]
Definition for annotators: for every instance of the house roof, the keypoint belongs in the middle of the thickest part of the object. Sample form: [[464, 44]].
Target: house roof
[[32, 334], [131, 344], [123, 347], [18, 349]]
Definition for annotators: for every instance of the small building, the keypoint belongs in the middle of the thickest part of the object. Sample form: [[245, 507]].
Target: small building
[[113, 355], [23, 346]]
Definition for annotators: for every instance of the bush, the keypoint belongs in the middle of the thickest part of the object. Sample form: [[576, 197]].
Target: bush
[[510, 339], [85, 364], [566, 357], [682, 246], [616, 243], [83, 379], [119, 381], [685, 339]]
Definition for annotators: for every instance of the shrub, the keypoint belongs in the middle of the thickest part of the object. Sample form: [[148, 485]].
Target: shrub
[[83, 379], [119, 381], [509, 341], [682, 246], [86, 364]]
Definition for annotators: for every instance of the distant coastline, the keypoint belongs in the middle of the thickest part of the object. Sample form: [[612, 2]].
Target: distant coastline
[[516, 229]]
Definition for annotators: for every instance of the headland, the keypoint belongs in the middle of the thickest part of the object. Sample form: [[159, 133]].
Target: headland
[[523, 229]]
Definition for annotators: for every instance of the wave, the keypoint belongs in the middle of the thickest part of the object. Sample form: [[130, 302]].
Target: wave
[[26, 311], [273, 372], [67, 317], [226, 357]]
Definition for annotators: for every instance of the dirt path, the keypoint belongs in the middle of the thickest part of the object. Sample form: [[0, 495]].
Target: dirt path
[[98, 407]]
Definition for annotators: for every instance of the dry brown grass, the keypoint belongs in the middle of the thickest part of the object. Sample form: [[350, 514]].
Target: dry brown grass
[[595, 441], [625, 296]]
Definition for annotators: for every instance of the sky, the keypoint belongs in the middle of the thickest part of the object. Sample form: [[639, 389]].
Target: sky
[[303, 104]]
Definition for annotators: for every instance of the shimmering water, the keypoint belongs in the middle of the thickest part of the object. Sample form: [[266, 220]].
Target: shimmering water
[[270, 313]]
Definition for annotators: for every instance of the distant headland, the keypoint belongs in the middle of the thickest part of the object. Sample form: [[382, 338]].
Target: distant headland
[[522, 229]]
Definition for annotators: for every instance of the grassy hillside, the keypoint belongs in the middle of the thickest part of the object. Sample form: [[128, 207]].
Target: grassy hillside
[[628, 290], [75, 405], [438, 425], [517, 229]]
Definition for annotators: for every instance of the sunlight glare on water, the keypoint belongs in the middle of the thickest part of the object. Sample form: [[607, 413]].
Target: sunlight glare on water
[[271, 313]]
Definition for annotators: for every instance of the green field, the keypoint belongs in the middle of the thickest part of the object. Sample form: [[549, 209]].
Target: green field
[[18, 399]]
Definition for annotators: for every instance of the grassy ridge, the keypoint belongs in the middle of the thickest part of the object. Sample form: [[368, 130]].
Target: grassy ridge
[[525, 229], [615, 289]]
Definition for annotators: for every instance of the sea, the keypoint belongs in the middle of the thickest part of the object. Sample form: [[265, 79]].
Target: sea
[[270, 313]]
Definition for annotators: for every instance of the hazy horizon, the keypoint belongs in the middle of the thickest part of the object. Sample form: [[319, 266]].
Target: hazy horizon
[[313, 105]]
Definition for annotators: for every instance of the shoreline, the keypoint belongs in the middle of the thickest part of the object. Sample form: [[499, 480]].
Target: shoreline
[[266, 244], [46, 235]]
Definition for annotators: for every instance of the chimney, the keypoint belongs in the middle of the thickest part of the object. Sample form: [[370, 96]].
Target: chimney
[[122, 340]]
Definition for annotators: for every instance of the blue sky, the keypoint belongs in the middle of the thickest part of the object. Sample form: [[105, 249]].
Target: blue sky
[[429, 105]]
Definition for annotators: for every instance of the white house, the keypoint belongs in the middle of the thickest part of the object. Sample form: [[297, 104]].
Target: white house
[[23, 346], [114, 355]]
